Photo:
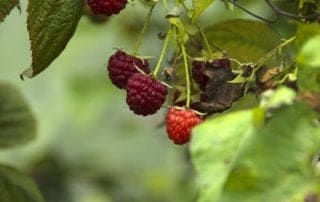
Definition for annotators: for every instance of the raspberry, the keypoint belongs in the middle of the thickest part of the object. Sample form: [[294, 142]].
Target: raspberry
[[145, 95], [198, 74], [107, 7], [179, 124], [121, 66]]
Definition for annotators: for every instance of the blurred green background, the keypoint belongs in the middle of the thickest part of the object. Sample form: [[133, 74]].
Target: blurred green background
[[90, 147]]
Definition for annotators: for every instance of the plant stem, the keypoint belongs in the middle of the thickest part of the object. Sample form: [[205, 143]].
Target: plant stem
[[274, 50], [144, 29], [205, 39], [186, 69], [163, 52]]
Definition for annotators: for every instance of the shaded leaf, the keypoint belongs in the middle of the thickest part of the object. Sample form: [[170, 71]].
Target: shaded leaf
[[17, 123], [51, 24], [16, 187], [309, 79], [244, 40], [6, 6], [199, 7]]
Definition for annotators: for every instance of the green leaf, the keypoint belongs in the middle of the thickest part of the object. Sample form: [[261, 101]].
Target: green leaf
[[306, 31], [17, 123], [308, 47], [275, 163], [309, 56], [309, 79], [199, 7], [275, 98], [213, 149], [6, 6], [238, 162], [51, 24], [244, 40], [16, 187]]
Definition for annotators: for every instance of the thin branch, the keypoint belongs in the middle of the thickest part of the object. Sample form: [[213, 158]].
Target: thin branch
[[234, 2]]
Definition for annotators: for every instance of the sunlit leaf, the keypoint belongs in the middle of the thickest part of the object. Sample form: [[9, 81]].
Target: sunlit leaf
[[214, 147], [6, 6], [244, 40], [51, 24], [237, 162], [17, 123], [16, 187], [275, 162], [309, 55], [306, 31]]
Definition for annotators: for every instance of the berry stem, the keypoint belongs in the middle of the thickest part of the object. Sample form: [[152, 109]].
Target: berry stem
[[144, 29], [187, 74], [205, 39], [163, 52]]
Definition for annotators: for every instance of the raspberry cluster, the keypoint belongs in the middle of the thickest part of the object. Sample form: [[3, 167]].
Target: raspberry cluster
[[145, 95]]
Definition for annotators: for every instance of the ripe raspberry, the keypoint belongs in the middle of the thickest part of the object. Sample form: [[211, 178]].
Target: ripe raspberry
[[198, 74], [145, 95], [107, 7], [179, 124], [121, 66]]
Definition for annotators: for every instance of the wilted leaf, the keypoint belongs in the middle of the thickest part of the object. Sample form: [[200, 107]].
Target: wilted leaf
[[6, 6], [51, 24], [16, 187], [244, 40], [17, 123]]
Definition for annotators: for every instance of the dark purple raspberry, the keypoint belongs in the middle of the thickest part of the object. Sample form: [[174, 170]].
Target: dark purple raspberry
[[145, 95], [198, 74], [107, 7], [121, 66]]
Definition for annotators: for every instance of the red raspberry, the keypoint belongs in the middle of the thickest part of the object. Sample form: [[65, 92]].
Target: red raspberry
[[145, 95], [121, 66], [107, 7], [179, 124]]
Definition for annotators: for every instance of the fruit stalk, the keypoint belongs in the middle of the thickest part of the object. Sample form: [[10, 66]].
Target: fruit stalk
[[144, 29], [163, 51]]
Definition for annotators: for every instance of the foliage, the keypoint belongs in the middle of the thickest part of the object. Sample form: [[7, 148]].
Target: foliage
[[265, 147]]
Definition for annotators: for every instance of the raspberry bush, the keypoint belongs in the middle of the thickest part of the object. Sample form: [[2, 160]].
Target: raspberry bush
[[242, 95]]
